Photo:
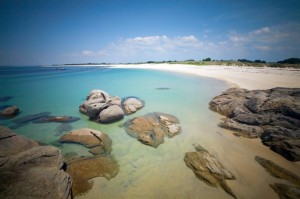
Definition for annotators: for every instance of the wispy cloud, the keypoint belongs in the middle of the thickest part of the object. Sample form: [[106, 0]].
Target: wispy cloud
[[283, 40]]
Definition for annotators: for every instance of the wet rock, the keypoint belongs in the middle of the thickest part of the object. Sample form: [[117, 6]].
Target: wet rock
[[285, 191], [28, 170], [115, 100], [277, 171], [58, 119], [10, 111], [99, 142], [151, 128], [273, 115], [208, 169], [111, 114], [131, 105], [82, 170]]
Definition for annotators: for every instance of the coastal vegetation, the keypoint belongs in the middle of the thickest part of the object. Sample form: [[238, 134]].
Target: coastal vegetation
[[287, 63]]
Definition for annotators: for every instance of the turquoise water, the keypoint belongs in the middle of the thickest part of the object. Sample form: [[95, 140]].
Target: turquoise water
[[145, 172]]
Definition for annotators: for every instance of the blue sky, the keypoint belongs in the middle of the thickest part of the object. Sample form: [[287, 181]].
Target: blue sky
[[57, 31]]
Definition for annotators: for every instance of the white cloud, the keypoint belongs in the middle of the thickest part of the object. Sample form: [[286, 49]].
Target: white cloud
[[280, 41], [263, 30]]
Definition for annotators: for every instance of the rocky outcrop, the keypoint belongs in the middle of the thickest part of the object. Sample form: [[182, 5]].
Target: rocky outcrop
[[10, 111], [272, 115], [284, 191], [208, 169], [84, 169], [28, 170], [101, 107], [151, 128], [98, 142], [132, 105]]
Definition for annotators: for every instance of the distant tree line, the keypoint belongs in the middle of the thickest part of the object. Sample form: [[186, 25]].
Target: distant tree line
[[290, 61]]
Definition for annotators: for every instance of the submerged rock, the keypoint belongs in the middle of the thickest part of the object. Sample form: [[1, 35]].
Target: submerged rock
[[64, 127], [10, 111], [28, 170], [5, 98], [284, 191], [273, 115], [82, 170], [277, 171], [151, 128], [59, 119], [208, 169], [30, 118], [98, 142], [131, 105]]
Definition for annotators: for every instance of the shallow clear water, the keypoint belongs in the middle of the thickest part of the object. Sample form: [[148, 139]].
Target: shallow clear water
[[145, 172]]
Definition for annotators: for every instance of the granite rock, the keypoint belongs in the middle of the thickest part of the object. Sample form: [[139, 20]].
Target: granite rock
[[273, 115]]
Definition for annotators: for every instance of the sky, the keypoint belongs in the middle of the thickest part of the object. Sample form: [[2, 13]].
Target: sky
[[38, 32]]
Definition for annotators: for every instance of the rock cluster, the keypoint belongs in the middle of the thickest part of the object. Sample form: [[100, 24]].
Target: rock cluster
[[272, 115], [98, 142], [208, 169], [283, 190], [151, 128], [102, 107], [28, 170]]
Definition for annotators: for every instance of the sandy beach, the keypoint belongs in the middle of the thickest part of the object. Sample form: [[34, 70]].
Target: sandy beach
[[241, 76]]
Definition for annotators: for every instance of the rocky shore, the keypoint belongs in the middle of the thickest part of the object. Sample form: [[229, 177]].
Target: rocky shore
[[28, 170], [272, 115]]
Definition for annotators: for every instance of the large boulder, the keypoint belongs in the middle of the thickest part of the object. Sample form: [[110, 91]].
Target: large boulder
[[28, 170], [131, 105], [208, 169], [151, 128], [273, 115], [98, 142], [111, 114]]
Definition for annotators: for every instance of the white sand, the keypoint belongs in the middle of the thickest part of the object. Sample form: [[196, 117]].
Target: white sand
[[244, 77]]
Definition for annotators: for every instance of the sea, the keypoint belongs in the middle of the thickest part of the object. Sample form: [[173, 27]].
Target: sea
[[144, 171]]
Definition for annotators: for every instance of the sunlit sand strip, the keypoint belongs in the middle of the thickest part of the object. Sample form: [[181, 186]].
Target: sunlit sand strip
[[244, 77]]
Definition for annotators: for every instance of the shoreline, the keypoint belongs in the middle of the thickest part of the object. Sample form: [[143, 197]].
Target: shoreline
[[250, 78]]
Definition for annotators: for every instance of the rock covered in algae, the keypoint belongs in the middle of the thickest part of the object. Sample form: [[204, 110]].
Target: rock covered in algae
[[82, 170], [208, 169], [151, 128]]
